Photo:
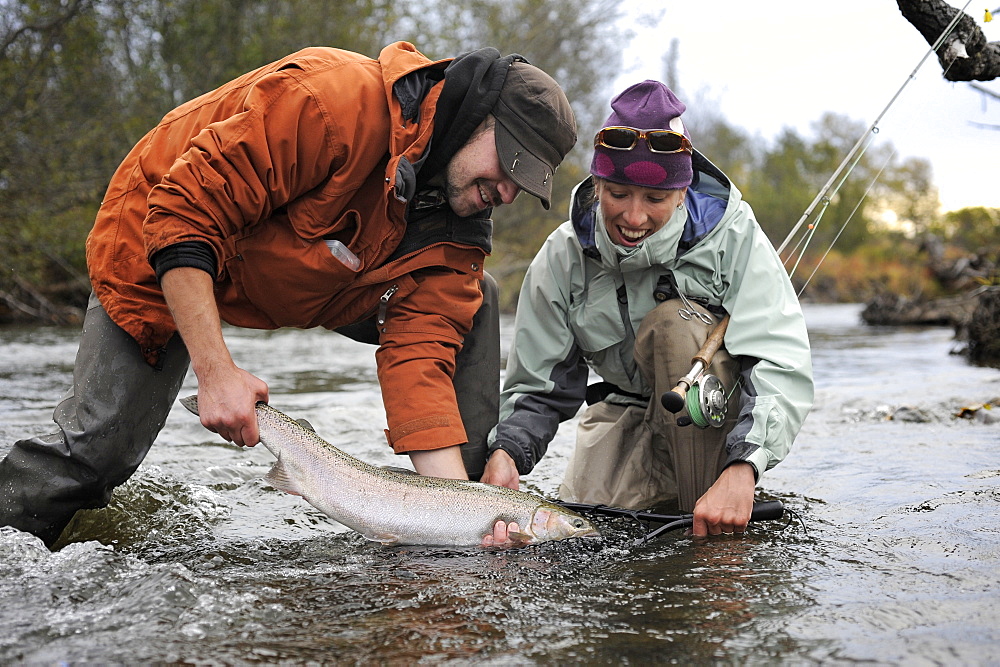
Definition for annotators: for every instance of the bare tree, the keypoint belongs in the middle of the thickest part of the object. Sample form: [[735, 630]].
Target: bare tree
[[965, 55]]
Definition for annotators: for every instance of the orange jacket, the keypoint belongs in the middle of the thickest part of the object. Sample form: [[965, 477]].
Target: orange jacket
[[263, 169]]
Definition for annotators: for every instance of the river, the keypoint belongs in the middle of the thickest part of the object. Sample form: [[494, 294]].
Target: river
[[892, 556]]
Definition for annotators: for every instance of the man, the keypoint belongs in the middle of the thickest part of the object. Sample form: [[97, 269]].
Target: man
[[326, 189]]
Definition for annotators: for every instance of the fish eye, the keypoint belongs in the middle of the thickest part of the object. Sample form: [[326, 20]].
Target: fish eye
[[578, 523]]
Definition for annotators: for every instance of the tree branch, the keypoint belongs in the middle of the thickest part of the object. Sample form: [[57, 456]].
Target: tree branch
[[965, 55], [54, 23]]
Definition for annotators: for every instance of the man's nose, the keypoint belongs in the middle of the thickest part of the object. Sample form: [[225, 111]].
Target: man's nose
[[508, 190]]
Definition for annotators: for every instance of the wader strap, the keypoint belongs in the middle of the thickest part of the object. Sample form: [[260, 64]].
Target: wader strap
[[625, 349]]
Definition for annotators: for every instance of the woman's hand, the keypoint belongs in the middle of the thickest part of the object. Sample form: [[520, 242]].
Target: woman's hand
[[725, 508], [501, 535]]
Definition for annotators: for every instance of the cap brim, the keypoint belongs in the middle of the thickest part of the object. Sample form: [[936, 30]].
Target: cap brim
[[526, 169]]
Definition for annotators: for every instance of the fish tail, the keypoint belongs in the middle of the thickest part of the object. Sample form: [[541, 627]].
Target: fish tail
[[191, 403]]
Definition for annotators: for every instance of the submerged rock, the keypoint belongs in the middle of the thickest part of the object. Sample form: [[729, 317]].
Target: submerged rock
[[896, 310], [907, 413], [981, 412]]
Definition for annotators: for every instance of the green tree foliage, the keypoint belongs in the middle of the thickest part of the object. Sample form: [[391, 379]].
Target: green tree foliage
[[873, 193], [55, 143], [909, 192], [975, 229]]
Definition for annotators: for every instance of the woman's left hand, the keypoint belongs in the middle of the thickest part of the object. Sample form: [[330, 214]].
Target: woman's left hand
[[501, 471], [725, 508]]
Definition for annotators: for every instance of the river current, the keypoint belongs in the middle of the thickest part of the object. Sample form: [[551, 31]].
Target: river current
[[892, 554]]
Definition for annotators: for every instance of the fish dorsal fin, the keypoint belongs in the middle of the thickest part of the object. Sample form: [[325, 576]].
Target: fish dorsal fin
[[279, 478]]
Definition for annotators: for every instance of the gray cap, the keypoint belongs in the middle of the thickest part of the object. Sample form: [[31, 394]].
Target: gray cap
[[535, 128]]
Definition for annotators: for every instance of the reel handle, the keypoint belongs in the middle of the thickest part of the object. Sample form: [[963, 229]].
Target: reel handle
[[769, 510], [674, 399]]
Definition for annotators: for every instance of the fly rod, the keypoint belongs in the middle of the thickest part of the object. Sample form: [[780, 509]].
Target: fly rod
[[825, 195]]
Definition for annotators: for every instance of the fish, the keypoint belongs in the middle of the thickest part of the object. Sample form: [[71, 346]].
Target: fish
[[397, 507]]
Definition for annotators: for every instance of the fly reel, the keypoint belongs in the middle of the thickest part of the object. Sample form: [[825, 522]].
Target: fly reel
[[703, 395], [706, 402]]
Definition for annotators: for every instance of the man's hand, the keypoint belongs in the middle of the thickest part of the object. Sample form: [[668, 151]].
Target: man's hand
[[227, 394], [725, 508], [501, 471], [226, 401]]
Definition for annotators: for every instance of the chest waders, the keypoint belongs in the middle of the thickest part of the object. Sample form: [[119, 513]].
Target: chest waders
[[634, 454], [106, 422]]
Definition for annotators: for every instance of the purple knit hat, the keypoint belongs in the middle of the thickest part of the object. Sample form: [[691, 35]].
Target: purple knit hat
[[649, 105]]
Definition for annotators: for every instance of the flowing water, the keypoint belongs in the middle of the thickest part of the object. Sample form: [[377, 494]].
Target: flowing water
[[894, 557]]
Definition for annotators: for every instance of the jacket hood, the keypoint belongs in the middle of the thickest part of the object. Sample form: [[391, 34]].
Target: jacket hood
[[466, 89]]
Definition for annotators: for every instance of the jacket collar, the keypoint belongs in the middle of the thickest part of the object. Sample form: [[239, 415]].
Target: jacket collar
[[710, 197]]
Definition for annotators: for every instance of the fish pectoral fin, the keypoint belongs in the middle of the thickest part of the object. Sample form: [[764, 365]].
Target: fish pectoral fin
[[519, 538], [191, 403], [279, 478], [384, 538]]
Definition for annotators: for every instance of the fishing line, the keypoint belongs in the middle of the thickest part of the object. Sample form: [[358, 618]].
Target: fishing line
[[844, 226], [827, 192], [803, 244]]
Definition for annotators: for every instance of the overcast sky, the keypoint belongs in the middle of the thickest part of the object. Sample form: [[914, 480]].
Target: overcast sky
[[783, 63]]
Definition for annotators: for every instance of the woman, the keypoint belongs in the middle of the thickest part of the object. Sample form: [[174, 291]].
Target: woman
[[659, 246]]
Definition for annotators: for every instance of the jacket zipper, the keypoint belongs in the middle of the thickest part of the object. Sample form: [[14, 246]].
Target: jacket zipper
[[383, 305]]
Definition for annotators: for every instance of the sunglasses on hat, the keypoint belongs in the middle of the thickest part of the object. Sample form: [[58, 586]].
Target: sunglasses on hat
[[658, 141]]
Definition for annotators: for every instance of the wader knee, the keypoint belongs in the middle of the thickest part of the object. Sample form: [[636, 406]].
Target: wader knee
[[107, 423]]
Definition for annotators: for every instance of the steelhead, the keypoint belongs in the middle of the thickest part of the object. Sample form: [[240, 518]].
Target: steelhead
[[401, 507]]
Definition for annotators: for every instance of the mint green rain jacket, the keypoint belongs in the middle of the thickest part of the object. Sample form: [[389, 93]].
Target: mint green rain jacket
[[583, 299]]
